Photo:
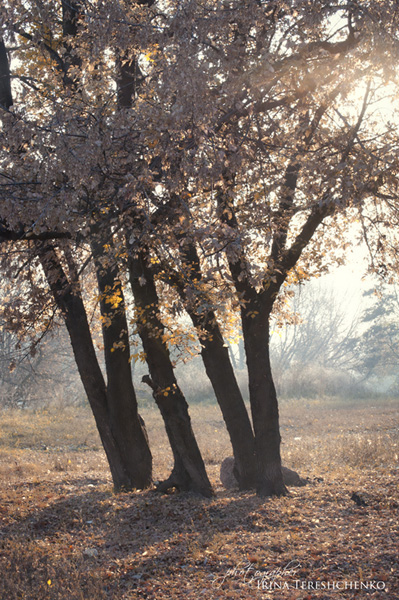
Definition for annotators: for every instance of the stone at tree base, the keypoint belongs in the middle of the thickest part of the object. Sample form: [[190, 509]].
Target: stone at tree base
[[227, 476], [229, 480]]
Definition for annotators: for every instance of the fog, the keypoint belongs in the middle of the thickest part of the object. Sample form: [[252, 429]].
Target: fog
[[342, 344]]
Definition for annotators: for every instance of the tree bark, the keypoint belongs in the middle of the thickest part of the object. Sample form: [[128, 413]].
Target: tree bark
[[220, 372], [228, 394], [189, 472], [255, 315], [127, 425], [264, 405], [218, 367], [5, 82], [69, 300]]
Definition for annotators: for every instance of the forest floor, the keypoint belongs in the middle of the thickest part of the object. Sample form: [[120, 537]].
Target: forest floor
[[64, 534]]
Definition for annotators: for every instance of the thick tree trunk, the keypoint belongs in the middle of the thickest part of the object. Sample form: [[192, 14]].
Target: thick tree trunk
[[221, 374], [264, 405], [255, 315], [71, 305], [127, 426], [222, 377], [189, 470]]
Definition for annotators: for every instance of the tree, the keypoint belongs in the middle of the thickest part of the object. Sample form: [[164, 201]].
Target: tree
[[319, 349], [200, 307], [378, 354], [5, 84], [249, 145], [189, 470], [16, 374], [37, 376], [114, 405], [271, 137]]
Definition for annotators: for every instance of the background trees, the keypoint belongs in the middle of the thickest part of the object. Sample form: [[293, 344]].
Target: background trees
[[317, 354], [230, 144], [378, 343]]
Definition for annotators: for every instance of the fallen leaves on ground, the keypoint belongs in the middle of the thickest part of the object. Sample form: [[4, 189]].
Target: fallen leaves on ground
[[65, 535]]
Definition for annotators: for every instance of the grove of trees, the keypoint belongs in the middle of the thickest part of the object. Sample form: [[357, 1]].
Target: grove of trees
[[162, 158]]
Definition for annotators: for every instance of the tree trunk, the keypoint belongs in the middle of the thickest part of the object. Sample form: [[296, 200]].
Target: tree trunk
[[255, 316], [5, 81], [126, 424], [220, 372], [71, 305], [264, 405], [189, 470], [228, 394]]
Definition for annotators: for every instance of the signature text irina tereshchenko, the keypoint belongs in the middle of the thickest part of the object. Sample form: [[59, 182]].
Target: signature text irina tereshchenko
[[285, 577]]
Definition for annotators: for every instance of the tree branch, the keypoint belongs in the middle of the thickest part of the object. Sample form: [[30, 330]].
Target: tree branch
[[20, 235], [5, 85]]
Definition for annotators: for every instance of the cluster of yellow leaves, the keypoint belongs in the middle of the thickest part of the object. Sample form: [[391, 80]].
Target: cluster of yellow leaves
[[144, 314], [138, 356], [113, 296], [297, 275], [151, 53], [166, 391]]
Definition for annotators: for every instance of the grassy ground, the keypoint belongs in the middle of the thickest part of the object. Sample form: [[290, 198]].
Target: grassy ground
[[65, 535]]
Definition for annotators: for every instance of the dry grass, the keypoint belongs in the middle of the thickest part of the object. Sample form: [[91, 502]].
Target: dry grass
[[64, 535], [324, 439]]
